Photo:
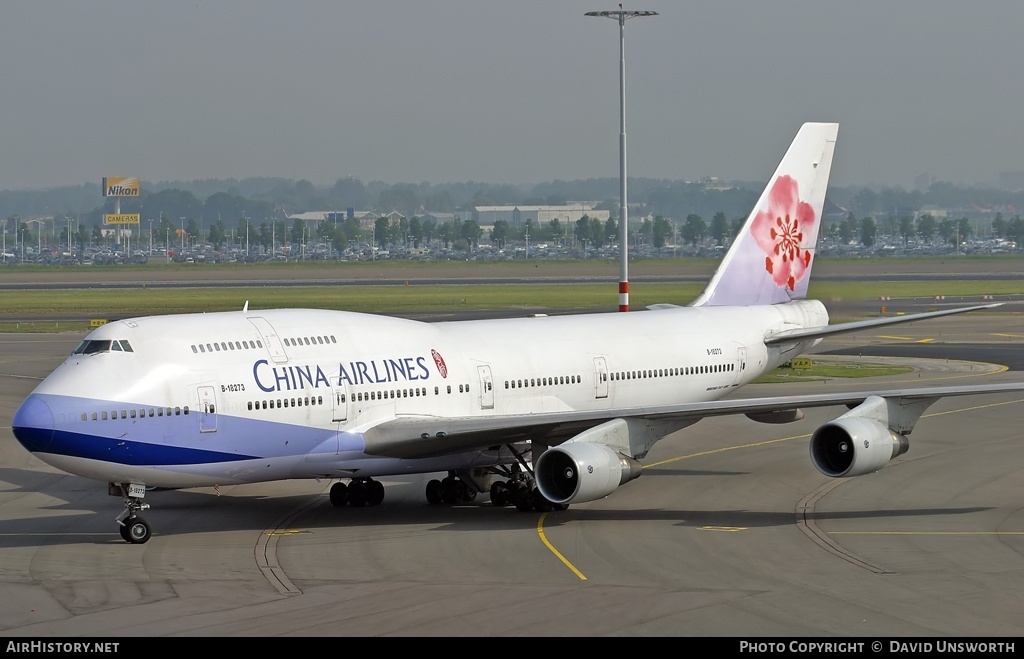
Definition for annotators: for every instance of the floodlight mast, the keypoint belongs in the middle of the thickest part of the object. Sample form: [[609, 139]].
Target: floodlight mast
[[621, 16]]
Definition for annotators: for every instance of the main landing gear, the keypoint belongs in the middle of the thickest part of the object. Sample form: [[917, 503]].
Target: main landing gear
[[520, 489], [451, 490], [357, 493], [523, 495], [513, 486], [133, 527]]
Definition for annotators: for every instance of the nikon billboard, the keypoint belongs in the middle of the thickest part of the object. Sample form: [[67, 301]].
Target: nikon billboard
[[120, 186]]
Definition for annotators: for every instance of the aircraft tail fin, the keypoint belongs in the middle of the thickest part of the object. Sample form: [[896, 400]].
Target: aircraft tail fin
[[770, 259]]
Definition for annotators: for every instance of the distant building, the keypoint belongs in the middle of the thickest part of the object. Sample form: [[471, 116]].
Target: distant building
[[518, 215], [440, 218], [366, 219], [312, 216]]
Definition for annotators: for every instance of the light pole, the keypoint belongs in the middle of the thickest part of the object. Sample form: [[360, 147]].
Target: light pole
[[151, 237], [621, 16], [40, 228]]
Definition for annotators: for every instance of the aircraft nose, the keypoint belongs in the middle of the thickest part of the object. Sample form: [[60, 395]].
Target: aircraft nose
[[33, 424]]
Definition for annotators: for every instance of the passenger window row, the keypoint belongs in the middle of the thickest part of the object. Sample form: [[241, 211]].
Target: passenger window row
[[141, 413], [388, 394], [672, 372], [543, 382], [286, 402], [224, 346], [310, 341]]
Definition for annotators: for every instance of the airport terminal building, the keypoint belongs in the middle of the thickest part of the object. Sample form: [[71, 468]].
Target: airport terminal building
[[484, 216], [517, 216]]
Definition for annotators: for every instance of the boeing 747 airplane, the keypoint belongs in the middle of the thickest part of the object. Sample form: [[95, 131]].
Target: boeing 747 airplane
[[536, 412]]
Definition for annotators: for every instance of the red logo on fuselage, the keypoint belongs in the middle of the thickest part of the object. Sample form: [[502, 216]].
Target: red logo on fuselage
[[439, 360]]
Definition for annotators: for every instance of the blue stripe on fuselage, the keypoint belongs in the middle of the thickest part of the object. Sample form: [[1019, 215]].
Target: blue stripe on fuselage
[[120, 451], [47, 423]]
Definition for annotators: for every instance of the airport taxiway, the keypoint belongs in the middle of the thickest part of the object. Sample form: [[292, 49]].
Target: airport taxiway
[[729, 532]]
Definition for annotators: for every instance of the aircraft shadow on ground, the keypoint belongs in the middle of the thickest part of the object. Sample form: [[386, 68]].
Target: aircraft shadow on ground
[[743, 518], [90, 518]]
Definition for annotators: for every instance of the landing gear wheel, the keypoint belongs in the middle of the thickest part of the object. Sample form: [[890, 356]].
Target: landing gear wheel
[[520, 497], [123, 529], [339, 495], [358, 494], [136, 530], [543, 505], [451, 491], [375, 492], [434, 492], [499, 493]]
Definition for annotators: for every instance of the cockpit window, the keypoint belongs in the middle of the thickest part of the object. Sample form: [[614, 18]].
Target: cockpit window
[[90, 347], [93, 346]]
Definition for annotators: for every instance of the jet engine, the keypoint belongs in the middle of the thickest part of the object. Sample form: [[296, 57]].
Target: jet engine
[[853, 446], [577, 472]]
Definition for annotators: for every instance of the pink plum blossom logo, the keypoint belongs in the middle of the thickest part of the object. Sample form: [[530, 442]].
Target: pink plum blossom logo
[[779, 230], [442, 368]]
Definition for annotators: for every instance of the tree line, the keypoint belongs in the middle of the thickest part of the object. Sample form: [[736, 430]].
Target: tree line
[[264, 198], [673, 212]]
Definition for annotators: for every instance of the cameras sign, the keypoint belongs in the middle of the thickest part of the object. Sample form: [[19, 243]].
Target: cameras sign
[[121, 218], [120, 186]]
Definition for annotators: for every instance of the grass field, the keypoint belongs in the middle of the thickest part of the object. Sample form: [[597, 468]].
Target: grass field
[[431, 297], [334, 287]]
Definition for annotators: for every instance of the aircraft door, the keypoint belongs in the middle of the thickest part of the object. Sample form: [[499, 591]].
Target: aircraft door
[[600, 378], [207, 409], [486, 387], [340, 403], [741, 364], [273, 342]]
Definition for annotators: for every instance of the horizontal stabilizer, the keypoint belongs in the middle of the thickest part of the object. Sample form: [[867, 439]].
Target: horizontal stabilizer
[[792, 336]]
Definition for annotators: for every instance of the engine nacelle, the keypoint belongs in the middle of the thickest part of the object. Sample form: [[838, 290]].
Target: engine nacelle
[[853, 446], [577, 472]]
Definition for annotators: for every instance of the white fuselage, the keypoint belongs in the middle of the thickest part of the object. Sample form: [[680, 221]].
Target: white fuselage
[[218, 398]]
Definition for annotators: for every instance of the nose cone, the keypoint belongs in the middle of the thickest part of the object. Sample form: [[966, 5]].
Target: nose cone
[[33, 424]]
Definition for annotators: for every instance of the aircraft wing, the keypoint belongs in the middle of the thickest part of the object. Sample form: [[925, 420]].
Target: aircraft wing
[[792, 336], [439, 436]]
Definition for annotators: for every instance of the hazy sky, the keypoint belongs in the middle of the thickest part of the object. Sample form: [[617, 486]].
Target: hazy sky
[[504, 92]]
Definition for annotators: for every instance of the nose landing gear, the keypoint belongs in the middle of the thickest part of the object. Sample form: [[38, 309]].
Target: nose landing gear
[[132, 526], [135, 530]]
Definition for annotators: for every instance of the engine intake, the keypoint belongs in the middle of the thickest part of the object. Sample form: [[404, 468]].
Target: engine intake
[[581, 471], [853, 446]]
